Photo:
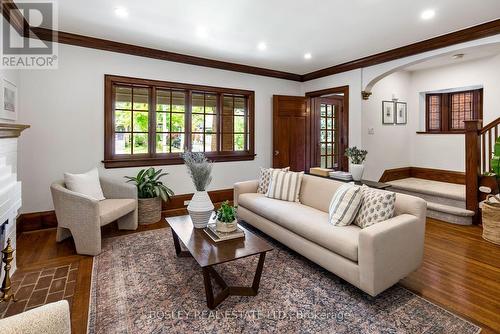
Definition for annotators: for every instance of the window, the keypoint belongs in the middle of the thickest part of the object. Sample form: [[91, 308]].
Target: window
[[151, 122], [328, 135], [446, 112]]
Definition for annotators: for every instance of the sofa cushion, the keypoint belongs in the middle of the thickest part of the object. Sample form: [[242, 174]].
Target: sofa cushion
[[317, 191], [112, 209], [310, 223]]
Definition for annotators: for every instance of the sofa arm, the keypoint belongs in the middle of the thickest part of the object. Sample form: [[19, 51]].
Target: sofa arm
[[388, 251], [244, 187], [52, 318], [116, 188]]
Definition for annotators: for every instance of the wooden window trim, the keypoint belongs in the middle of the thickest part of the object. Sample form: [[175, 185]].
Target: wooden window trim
[[445, 111], [112, 160]]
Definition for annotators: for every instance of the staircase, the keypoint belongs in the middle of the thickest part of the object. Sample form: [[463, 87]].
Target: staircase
[[479, 145], [445, 201]]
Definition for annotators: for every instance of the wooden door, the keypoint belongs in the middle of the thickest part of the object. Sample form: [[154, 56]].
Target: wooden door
[[329, 132], [291, 132]]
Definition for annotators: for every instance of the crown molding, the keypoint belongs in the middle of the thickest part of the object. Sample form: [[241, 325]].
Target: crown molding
[[11, 13], [460, 36], [113, 46]]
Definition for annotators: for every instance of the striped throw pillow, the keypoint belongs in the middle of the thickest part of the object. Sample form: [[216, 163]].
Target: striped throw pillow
[[345, 205], [265, 178], [285, 185]]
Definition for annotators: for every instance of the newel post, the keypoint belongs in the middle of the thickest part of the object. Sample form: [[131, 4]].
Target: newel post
[[472, 166]]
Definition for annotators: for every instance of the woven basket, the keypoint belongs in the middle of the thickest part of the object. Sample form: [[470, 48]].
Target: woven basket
[[491, 219], [149, 210]]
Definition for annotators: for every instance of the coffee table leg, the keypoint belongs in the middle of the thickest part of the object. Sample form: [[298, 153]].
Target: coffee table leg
[[258, 272], [214, 301], [209, 292], [177, 245]]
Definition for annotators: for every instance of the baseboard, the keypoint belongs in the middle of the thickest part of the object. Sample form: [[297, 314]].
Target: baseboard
[[34, 221], [423, 173]]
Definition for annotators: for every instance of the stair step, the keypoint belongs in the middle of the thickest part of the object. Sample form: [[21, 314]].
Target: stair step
[[433, 188], [445, 201], [449, 209]]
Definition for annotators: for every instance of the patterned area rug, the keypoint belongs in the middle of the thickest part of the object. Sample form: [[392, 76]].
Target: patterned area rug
[[140, 286]]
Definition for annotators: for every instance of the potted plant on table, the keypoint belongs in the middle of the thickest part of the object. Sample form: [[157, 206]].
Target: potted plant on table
[[150, 192], [200, 207], [356, 157], [226, 218]]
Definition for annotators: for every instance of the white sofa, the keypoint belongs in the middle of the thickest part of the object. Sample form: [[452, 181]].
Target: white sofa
[[373, 259], [51, 318]]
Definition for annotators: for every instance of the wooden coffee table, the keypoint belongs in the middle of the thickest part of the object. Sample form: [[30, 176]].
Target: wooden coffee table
[[208, 253]]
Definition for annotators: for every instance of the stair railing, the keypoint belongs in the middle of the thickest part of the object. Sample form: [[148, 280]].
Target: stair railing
[[479, 145]]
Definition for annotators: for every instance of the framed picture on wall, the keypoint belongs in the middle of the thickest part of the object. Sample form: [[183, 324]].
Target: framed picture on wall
[[388, 112], [8, 101], [400, 112]]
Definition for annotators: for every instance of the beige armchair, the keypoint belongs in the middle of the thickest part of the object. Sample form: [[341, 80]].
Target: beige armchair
[[52, 318], [82, 216]]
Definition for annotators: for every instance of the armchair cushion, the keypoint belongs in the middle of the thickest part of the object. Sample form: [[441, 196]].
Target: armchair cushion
[[86, 184], [112, 209]]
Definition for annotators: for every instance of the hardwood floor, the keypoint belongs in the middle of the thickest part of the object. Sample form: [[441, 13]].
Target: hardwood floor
[[461, 271]]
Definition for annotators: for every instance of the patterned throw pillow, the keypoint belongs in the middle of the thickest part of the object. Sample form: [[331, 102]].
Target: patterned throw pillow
[[285, 185], [376, 206], [265, 178], [344, 205]]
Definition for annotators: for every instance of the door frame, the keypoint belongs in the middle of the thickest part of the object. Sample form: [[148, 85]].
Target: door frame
[[344, 123]]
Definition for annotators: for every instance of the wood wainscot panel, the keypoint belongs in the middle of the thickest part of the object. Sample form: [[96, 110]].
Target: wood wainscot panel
[[28, 222], [423, 173], [395, 174]]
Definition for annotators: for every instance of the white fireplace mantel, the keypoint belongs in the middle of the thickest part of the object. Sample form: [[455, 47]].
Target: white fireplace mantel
[[10, 187]]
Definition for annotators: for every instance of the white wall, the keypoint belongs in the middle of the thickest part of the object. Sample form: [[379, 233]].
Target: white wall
[[65, 110], [447, 151], [353, 80], [8, 147], [393, 146], [388, 146]]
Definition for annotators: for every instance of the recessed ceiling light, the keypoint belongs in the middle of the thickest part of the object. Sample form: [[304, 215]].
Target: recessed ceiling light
[[261, 46], [307, 56], [121, 12], [428, 14], [458, 56], [201, 32]]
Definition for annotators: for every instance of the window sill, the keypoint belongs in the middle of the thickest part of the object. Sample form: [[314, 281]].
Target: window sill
[[143, 162], [440, 132]]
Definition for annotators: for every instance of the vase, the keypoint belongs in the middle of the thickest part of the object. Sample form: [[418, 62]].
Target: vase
[[226, 227], [149, 210], [200, 209], [356, 171]]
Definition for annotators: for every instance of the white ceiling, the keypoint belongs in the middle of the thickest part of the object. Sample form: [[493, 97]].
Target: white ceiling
[[333, 31]]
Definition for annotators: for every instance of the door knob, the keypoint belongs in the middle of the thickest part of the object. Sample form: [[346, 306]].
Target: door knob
[[276, 153]]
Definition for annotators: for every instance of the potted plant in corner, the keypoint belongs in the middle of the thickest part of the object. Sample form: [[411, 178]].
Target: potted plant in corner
[[226, 218], [150, 192], [200, 207], [356, 157], [489, 182]]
